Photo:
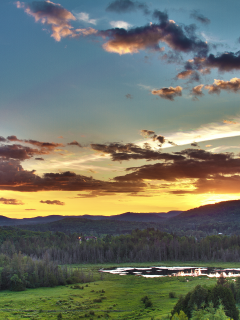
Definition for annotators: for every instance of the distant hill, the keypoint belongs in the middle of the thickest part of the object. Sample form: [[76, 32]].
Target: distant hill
[[224, 211], [128, 216], [87, 226], [222, 217], [135, 216]]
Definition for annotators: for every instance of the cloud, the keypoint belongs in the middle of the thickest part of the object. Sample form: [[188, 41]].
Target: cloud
[[148, 37], [57, 202], [56, 16], [40, 159], [185, 74], [75, 143], [45, 146], [130, 151], [194, 144], [123, 6], [128, 96], [120, 24], [83, 16], [14, 177], [16, 151], [199, 17], [161, 139], [30, 209], [218, 85], [229, 122], [21, 152], [227, 61], [11, 201], [168, 93], [147, 133], [204, 171], [224, 62], [197, 91]]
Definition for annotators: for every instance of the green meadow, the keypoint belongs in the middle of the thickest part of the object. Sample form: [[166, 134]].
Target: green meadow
[[106, 296]]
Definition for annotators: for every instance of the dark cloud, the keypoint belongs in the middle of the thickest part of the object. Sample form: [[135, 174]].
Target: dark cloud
[[122, 6], [17, 151], [21, 152], [11, 201], [130, 151], [147, 133], [205, 170], [42, 145], [168, 93], [218, 85], [14, 177], [12, 138], [128, 96], [227, 61], [57, 202], [148, 37], [161, 16], [40, 159], [224, 62], [194, 144], [199, 17], [155, 137], [75, 143]]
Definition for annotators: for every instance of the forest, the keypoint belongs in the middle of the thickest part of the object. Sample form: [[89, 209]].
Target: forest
[[34, 259]]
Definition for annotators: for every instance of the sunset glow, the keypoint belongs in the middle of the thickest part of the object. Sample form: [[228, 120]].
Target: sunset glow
[[110, 107]]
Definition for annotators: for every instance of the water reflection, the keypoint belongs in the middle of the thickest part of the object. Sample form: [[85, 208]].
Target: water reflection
[[153, 272]]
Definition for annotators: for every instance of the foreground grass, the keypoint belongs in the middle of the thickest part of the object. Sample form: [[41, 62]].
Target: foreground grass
[[109, 296]]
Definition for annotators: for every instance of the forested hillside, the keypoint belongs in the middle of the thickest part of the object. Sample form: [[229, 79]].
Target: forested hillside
[[139, 246]]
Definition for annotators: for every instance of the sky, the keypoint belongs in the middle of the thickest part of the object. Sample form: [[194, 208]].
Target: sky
[[116, 106]]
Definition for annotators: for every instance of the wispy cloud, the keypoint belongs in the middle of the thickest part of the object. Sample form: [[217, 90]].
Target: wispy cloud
[[83, 16], [208, 132]]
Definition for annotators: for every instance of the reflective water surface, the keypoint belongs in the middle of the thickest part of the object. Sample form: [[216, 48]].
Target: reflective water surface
[[153, 272]]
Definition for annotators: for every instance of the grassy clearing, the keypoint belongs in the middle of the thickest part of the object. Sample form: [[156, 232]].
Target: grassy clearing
[[110, 296]]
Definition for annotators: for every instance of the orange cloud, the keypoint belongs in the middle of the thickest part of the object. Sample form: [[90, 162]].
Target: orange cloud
[[56, 16], [218, 85], [185, 74], [229, 122], [168, 93], [197, 91]]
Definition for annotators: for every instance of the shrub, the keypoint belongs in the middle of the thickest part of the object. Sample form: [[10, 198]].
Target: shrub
[[172, 294], [146, 301]]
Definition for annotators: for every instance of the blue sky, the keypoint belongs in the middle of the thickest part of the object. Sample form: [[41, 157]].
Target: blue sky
[[86, 85]]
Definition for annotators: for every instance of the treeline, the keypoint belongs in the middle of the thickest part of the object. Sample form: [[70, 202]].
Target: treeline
[[20, 272], [139, 246]]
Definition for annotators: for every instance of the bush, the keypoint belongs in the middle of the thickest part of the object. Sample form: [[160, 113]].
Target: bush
[[146, 301], [172, 294]]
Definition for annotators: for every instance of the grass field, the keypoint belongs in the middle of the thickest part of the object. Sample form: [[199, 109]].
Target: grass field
[[108, 296]]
